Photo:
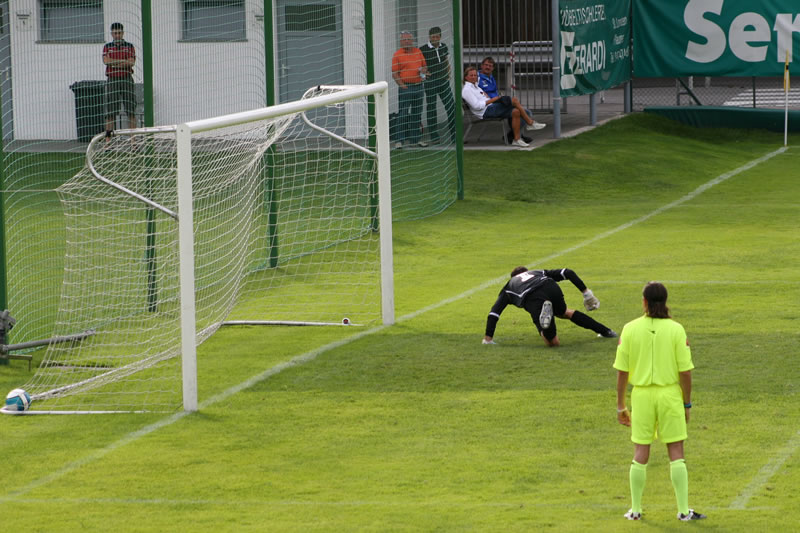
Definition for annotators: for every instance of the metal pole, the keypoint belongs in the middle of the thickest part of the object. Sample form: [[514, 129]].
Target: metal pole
[[628, 98], [149, 120], [369, 36], [3, 256], [269, 52], [186, 269], [556, 70], [147, 62], [459, 117], [271, 200]]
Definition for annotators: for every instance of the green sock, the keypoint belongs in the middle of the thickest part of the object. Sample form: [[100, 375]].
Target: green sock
[[638, 477], [680, 482]]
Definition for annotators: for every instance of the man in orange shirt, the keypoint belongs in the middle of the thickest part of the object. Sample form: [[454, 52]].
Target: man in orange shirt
[[408, 71]]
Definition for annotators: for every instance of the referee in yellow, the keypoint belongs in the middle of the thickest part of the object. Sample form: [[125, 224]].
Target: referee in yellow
[[654, 356]]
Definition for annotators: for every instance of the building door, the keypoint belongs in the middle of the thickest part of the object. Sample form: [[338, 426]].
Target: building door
[[6, 100], [310, 46]]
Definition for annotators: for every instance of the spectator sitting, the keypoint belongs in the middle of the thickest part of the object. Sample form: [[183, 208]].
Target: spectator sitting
[[482, 106], [487, 82], [486, 79]]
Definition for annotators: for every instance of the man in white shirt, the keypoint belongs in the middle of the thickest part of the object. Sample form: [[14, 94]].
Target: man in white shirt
[[483, 106]]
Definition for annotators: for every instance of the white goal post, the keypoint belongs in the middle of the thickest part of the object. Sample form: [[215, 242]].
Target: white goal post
[[184, 135], [185, 227]]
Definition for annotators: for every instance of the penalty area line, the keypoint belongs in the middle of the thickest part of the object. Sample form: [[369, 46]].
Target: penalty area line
[[313, 354], [766, 472]]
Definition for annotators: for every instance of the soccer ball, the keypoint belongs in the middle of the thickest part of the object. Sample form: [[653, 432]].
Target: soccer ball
[[18, 400], [345, 321]]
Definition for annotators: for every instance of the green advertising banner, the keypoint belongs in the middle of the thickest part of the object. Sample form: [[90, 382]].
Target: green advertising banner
[[714, 37], [595, 45]]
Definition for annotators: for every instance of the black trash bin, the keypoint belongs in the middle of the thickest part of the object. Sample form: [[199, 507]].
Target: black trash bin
[[90, 108]]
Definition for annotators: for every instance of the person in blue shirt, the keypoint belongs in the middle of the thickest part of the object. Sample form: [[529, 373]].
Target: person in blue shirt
[[486, 79], [488, 84]]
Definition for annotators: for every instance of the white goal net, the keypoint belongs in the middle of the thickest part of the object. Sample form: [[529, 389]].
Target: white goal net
[[278, 215]]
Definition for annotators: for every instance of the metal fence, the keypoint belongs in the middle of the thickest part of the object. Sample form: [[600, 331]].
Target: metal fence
[[517, 35], [711, 91]]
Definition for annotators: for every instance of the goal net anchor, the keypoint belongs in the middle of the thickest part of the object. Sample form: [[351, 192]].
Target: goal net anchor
[[6, 348], [344, 322]]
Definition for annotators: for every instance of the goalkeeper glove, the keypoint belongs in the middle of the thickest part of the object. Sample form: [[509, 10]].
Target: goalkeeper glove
[[590, 302]]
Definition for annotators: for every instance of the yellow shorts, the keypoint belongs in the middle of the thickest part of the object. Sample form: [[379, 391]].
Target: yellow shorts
[[657, 410]]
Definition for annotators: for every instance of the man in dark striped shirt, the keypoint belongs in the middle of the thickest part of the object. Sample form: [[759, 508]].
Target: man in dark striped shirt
[[119, 56], [537, 292]]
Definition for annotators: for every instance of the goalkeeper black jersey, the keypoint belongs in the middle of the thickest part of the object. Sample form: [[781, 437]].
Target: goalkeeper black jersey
[[518, 287]]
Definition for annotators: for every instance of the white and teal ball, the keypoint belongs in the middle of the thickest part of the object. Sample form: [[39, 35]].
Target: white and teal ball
[[18, 400]]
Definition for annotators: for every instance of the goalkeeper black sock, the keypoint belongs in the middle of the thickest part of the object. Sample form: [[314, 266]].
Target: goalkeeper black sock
[[585, 321]]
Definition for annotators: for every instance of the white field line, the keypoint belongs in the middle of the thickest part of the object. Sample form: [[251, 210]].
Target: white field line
[[392, 502], [698, 282], [313, 354], [766, 472]]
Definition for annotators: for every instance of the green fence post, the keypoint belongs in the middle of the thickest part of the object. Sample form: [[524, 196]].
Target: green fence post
[[457, 68], [149, 120], [373, 140], [3, 258], [271, 190]]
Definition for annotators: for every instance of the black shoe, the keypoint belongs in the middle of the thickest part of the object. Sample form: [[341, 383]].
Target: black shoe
[[693, 515], [608, 334]]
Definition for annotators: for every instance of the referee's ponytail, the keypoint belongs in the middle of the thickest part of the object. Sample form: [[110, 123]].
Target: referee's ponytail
[[655, 298]]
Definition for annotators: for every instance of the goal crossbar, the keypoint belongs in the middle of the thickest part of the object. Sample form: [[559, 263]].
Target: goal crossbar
[[288, 108]]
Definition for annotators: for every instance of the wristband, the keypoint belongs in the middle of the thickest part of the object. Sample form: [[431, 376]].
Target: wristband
[[622, 410], [687, 405]]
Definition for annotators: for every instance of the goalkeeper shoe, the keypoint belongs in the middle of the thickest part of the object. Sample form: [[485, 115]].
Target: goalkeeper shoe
[[693, 515], [546, 316], [630, 515]]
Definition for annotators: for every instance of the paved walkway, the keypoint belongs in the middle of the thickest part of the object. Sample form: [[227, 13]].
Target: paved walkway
[[574, 121]]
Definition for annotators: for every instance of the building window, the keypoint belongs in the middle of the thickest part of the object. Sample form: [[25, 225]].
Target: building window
[[213, 20], [71, 21], [311, 17], [407, 19]]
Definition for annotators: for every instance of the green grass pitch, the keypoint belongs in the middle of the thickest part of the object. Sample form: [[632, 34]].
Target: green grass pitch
[[420, 427]]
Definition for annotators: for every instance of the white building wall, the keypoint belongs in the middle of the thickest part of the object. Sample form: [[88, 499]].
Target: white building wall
[[44, 105], [191, 80], [195, 80]]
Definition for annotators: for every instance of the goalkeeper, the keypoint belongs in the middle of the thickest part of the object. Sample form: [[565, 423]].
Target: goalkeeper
[[537, 292]]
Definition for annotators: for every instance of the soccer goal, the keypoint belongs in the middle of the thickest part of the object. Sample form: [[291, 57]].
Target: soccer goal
[[280, 215]]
